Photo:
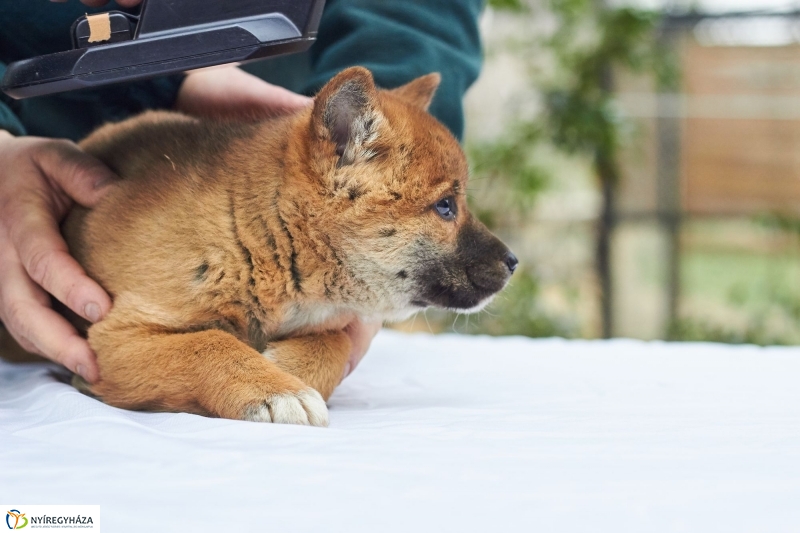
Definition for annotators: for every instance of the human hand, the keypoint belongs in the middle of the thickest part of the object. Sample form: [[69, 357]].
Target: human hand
[[361, 335], [39, 179], [227, 91]]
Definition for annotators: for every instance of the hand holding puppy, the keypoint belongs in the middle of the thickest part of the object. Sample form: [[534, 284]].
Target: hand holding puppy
[[40, 180]]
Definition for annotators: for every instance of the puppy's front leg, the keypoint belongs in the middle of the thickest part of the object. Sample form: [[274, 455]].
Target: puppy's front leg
[[205, 372], [318, 360]]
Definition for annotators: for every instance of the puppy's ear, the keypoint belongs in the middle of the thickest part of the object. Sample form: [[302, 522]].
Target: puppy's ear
[[346, 113], [419, 92]]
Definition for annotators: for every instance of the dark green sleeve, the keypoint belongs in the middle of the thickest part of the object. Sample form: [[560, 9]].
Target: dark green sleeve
[[73, 115], [399, 40], [8, 120]]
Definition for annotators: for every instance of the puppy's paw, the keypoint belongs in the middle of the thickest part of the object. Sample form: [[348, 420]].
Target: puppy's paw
[[305, 407]]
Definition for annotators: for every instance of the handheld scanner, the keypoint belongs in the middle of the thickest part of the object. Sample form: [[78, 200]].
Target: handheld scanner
[[167, 37]]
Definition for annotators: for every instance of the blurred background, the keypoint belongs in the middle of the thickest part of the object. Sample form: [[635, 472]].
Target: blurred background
[[641, 158]]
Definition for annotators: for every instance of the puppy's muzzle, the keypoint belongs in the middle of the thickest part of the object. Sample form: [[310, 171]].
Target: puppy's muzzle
[[480, 267]]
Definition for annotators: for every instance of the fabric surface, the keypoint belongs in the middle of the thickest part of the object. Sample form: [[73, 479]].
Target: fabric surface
[[444, 433]]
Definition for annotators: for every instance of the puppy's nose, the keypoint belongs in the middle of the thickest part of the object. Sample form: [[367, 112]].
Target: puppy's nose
[[511, 261]]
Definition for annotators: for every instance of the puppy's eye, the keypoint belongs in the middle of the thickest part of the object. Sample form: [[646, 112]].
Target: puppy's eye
[[446, 208]]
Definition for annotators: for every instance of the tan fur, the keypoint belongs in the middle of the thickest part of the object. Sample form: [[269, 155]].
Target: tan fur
[[226, 240]]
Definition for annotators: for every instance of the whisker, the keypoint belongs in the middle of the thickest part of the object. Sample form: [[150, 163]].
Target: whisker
[[490, 314]]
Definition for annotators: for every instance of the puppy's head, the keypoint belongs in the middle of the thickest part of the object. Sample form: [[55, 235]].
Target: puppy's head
[[394, 181]]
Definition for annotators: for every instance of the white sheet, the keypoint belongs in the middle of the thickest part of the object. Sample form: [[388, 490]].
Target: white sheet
[[443, 433]]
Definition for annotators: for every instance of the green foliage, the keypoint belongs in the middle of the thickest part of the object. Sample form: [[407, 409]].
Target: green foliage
[[697, 330], [757, 330], [580, 112], [516, 311], [509, 163], [587, 46], [509, 5], [780, 221], [751, 279], [579, 118], [589, 43]]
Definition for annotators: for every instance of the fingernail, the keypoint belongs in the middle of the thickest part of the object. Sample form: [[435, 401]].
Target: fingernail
[[346, 370], [102, 182], [81, 371], [92, 312]]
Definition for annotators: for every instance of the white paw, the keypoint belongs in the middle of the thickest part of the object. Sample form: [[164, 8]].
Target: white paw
[[306, 408]]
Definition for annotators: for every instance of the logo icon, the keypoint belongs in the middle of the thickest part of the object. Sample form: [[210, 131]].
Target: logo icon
[[13, 513]]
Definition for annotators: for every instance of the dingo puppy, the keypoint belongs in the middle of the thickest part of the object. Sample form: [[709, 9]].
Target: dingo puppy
[[236, 252]]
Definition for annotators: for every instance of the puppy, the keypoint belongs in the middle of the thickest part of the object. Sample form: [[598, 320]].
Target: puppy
[[235, 253]]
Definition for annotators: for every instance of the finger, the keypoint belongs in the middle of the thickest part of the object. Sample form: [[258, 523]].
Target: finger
[[94, 3], [261, 93], [82, 177], [361, 334], [129, 3], [231, 92], [43, 254], [51, 336], [40, 329], [276, 96]]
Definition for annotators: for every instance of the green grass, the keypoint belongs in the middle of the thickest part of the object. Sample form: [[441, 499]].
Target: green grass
[[740, 282]]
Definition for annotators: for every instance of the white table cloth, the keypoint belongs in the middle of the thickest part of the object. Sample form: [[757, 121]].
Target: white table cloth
[[441, 433]]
